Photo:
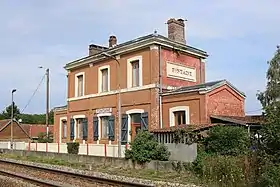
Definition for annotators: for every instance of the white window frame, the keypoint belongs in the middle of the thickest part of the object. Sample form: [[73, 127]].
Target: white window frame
[[129, 112], [60, 127], [177, 109], [100, 78], [75, 125], [129, 71], [76, 83], [99, 125]]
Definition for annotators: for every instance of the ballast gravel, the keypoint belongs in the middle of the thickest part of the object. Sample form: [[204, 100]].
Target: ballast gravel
[[11, 182], [103, 175]]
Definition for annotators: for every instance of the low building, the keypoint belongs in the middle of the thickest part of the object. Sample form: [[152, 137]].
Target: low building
[[21, 132], [151, 82]]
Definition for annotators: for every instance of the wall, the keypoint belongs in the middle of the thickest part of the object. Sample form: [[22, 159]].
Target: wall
[[225, 101], [184, 60], [194, 101], [18, 133]]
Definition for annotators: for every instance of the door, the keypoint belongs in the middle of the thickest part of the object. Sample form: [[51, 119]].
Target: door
[[135, 124]]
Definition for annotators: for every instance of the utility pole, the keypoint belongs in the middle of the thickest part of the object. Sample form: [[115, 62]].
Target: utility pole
[[12, 117], [47, 98], [119, 103]]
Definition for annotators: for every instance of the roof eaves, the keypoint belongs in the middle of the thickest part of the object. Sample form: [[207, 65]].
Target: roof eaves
[[136, 44]]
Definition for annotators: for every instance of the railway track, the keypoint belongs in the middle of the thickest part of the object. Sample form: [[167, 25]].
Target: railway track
[[44, 176]]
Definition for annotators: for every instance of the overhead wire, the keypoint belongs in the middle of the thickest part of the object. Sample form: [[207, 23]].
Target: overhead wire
[[30, 99]]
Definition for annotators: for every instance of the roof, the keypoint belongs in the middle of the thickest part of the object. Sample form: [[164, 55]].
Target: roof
[[192, 127], [242, 120], [204, 88], [136, 44], [60, 108]]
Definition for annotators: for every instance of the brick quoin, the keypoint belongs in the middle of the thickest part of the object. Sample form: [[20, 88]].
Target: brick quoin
[[185, 60]]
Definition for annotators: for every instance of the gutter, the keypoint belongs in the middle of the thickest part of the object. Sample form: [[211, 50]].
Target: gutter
[[160, 87]]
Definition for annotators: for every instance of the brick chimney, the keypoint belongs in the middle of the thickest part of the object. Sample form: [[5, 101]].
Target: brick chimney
[[112, 41], [94, 49], [176, 30]]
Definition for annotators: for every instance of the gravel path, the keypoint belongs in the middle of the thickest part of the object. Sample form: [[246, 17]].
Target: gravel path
[[10, 182], [74, 181]]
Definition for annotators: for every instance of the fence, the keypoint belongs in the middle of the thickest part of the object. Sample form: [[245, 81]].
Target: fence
[[102, 150]]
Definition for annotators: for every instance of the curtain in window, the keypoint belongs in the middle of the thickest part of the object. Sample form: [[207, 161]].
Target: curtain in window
[[104, 123], [105, 80], [65, 129], [80, 85], [135, 73]]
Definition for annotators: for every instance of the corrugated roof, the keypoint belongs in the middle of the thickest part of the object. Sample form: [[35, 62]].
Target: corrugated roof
[[192, 127]]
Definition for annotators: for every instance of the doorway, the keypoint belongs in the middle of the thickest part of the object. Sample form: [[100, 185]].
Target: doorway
[[135, 124]]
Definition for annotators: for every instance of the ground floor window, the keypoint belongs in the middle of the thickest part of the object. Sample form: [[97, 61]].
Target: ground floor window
[[79, 127], [180, 118], [104, 126], [64, 128]]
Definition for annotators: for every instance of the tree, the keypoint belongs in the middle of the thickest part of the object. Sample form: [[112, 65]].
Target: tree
[[270, 100], [6, 114]]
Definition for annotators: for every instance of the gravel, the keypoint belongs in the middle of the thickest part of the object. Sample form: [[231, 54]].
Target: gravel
[[10, 182], [96, 174]]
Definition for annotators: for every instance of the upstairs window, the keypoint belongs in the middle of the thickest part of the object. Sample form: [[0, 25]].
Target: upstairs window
[[79, 85], [104, 73], [179, 115], [135, 73]]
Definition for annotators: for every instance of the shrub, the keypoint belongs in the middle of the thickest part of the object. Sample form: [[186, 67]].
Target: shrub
[[73, 147], [145, 148], [43, 138], [227, 140], [225, 170], [271, 177]]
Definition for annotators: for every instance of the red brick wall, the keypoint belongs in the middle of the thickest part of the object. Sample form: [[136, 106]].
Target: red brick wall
[[185, 60], [224, 101]]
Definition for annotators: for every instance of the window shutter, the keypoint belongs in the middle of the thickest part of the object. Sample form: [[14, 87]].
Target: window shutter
[[72, 124], [144, 121], [112, 128], [85, 129], [124, 129], [95, 129]]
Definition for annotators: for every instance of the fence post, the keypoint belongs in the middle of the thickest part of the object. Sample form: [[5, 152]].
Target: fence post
[[58, 147], [36, 146], [47, 147], [105, 149], [29, 144], [87, 149]]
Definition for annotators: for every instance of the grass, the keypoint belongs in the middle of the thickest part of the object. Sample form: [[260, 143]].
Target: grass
[[183, 178]]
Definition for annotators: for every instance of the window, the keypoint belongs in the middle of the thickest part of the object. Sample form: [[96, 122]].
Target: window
[[135, 73], [104, 73], [135, 118], [80, 128], [79, 85], [104, 127], [64, 129], [180, 118], [104, 79]]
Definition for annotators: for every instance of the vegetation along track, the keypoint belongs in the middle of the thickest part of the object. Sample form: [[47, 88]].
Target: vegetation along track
[[55, 177]]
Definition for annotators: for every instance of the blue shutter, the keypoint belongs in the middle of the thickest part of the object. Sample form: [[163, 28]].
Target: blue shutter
[[95, 129], [72, 124], [85, 129], [144, 121], [124, 129], [112, 128]]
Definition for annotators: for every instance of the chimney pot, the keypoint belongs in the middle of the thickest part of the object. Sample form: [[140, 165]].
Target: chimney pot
[[112, 41], [176, 30]]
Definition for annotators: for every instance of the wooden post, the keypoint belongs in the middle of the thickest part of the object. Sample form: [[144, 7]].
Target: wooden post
[[46, 147], [29, 144], [58, 147], [87, 149], [36, 146]]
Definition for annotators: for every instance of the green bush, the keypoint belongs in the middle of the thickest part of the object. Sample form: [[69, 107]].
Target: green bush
[[73, 147], [271, 177], [227, 140], [223, 170], [145, 148], [44, 138]]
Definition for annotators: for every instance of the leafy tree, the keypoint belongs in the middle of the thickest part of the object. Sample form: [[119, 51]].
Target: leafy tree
[[145, 148], [270, 100], [227, 140], [6, 114]]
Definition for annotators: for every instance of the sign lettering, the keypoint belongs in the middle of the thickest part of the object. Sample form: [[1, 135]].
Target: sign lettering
[[103, 110], [180, 72]]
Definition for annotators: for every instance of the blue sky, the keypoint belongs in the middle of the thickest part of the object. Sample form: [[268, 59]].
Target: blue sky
[[240, 37]]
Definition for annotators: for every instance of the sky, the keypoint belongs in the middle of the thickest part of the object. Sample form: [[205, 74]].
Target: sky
[[240, 36]]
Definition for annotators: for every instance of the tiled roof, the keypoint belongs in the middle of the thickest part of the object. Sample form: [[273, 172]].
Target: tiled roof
[[242, 120], [192, 127]]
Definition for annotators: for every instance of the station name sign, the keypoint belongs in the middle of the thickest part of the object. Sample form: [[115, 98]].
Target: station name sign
[[180, 72], [103, 110]]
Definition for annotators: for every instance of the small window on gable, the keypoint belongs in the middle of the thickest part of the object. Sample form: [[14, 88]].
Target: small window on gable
[[104, 73], [135, 73], [180, 118], [80, 86]]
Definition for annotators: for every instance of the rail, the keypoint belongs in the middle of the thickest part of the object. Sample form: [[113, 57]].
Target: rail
[[78, 176]]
